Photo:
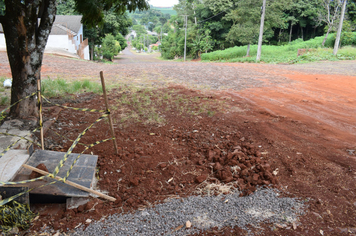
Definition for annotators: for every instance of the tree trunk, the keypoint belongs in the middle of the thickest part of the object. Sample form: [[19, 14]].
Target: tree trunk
[[248, 50], [326, 36], [92, 49], [26, 28], [338, 35], [259, 47], [301, 29], [290, 32], [314, 32]]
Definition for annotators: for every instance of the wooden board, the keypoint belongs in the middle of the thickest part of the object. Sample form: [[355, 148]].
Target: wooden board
[[11, 163]]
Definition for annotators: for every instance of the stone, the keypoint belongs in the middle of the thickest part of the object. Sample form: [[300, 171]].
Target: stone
[[217, 166], [75, 202], [201, 178]]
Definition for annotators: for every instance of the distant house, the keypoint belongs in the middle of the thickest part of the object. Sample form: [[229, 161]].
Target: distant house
[[66, 36]]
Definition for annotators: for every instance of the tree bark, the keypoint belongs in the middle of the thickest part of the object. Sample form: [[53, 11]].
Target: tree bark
[[27, 25], [248, 50], [338, 35], [326, 36], [92, 49], [259, 47], [290, 32]]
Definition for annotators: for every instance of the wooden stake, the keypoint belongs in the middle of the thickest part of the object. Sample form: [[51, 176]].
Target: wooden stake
[[107, 108], [40, 110], [72, 183]]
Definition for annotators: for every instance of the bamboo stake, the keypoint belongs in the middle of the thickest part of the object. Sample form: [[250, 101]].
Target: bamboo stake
[[71, 183], [40, 110], [107, 108]]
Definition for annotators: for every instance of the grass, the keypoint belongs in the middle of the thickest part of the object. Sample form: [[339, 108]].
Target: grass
[[149, 106], [62, 88], [284, 54]]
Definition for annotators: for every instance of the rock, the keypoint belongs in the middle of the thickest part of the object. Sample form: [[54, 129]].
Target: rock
[[188, 224], [244, 172], [130, 201], [34, 174], [163, 165], [226, 175], [211, 155], [258, 154], [80, 208], [201, 178], [217, 166], [134, 181], [118, 199]]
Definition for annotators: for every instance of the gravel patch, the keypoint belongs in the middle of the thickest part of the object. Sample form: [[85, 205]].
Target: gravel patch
[[204, 212]]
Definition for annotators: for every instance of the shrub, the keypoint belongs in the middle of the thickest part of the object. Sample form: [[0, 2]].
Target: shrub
[[110, 47]]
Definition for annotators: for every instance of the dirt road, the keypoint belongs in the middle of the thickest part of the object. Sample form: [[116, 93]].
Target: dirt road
[[304, 115]]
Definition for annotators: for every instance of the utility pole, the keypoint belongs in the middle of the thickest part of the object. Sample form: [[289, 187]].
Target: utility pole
[[185, 38], [337, 41], [258, 57]]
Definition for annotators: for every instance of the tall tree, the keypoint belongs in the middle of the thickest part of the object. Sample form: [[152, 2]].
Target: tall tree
[[246, 20], [329, 14], [259, 48], [337, 40], [27, 25]]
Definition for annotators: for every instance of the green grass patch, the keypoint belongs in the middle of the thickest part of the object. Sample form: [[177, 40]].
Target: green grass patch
[[286, 53], [61, 87]]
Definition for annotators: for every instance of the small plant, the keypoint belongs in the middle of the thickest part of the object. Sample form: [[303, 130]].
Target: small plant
[[4, 101]]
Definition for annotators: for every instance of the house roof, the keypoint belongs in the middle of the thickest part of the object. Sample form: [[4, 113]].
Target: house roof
[[62, 24]]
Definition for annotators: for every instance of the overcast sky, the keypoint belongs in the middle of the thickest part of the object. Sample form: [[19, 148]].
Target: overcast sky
[[163, 3]]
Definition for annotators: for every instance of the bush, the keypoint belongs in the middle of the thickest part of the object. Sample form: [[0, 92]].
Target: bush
[[110, 47], [121, 40], [155, 48]]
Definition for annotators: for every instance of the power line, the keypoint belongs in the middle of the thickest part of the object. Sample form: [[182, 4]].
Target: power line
[[210, 17]]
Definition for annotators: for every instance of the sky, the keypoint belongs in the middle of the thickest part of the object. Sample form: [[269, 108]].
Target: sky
[[163, 3]]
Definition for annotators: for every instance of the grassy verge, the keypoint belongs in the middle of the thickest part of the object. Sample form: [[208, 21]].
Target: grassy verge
[[284, 54]]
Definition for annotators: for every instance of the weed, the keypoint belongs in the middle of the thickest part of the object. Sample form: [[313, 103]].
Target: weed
[[4, 101]]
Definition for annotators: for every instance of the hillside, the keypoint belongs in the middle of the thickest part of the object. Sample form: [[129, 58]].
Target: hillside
[[165, 10]]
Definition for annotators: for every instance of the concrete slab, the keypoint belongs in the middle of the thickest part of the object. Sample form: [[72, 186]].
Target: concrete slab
[[10, 164], [82, 173]]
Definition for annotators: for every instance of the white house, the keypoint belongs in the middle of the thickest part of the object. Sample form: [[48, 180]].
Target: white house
[[66, 36]]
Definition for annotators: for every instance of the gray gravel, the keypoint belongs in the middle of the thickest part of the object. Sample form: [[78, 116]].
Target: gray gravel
[[264, 205]]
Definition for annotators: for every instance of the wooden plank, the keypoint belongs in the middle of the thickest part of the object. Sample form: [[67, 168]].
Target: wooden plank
[[11, 163]]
